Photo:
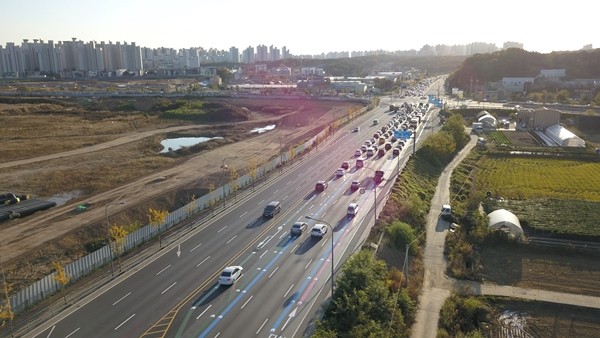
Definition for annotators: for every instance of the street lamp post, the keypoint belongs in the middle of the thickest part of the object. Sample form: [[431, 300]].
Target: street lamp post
[[223, 167], [280, 155], [331, 229], [110, 250]]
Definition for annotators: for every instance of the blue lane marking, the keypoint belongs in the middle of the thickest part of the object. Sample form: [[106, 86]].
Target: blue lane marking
[[319, 263], [242, 294]]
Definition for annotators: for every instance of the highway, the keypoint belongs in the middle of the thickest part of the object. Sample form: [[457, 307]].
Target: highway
[[285, 280]]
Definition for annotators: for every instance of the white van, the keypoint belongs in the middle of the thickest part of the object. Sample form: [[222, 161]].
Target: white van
[[446, 212], [352, 209]]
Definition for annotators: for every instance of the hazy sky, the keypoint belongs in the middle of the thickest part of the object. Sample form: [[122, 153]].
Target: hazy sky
[[307, 26]]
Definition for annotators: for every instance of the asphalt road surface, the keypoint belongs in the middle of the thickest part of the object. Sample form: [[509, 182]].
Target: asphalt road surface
[[285, 280]]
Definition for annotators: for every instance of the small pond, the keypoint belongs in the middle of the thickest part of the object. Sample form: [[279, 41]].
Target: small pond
[[171, 144]]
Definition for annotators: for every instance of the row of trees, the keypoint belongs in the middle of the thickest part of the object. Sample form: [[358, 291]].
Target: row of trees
[[117, 235]]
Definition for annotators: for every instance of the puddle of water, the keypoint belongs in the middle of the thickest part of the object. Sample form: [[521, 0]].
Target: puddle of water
[[64, 197], [180, 142], [263, 129]]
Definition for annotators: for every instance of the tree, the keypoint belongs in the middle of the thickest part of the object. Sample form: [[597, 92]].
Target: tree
[[596, 100], [383, 83], [455, 125], [118, 234], [439, 147], [6, 313], [61, 277], [233, 181], [191, 206], [212, 200], [156, 218], [402, 234], [292, 153], [563, 96], [252, 171], [224, 74]]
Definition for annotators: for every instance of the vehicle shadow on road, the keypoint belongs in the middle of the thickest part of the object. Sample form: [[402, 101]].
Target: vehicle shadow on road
[[211, 294], [256, 223], [341, 224], [308, 243]]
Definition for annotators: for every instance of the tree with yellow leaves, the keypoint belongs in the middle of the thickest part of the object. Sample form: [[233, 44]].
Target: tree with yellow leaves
[[191, 206], [118, 234], [6, 314], [233, 181], [252, 171], [61, 276], [211, 200], [156, 218]]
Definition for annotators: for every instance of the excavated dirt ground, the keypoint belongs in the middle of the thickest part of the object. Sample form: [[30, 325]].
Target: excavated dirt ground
[[102, 156]]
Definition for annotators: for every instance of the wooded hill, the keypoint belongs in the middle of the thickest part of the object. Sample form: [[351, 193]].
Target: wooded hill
[[516, 62]]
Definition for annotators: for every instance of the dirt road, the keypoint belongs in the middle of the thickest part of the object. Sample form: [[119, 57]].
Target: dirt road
[[33, 232]]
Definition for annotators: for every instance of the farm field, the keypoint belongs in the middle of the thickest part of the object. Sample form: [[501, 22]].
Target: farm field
[[541, 268], [539, 217], [540, 319], [549, 196], [499, 137], [533, 178]]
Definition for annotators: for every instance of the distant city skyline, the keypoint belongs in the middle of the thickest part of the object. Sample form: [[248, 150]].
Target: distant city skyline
[[309, 27]]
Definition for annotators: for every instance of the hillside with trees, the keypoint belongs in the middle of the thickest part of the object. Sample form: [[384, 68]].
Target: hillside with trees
[[516, 62], [367, 65]]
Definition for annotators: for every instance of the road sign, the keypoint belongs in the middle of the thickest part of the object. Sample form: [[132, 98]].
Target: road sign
[[402, 134]]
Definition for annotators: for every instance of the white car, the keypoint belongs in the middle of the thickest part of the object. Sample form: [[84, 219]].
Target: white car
[[230, 275], [318, 230], [340, 172], [352, 209]]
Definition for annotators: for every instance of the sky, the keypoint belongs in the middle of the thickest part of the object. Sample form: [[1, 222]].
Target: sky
[[306, 26]]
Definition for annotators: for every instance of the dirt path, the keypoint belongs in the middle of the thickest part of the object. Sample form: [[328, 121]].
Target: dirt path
[[101, 146], [437, 286], [31, 233]]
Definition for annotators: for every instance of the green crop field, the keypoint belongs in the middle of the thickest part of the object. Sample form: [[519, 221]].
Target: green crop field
[[550, 195], [499, 138], [531, 178]]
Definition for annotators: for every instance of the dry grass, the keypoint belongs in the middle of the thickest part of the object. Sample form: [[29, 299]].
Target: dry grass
[[96, 171], [33, 130]]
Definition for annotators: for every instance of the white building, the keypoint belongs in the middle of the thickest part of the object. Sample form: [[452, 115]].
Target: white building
[[516, 84], [487, 120], [503, 219], [563, 137]]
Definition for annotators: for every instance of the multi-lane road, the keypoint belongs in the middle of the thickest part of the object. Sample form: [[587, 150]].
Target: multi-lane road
[[285, 279]]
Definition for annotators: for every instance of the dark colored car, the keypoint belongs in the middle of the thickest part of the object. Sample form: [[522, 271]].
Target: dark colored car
[[298, 228], [321, 186], [272, 209]]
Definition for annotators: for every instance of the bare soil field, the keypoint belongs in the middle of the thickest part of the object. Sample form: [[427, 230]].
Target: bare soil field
[[85, 152], [541, 319], [542, 268]]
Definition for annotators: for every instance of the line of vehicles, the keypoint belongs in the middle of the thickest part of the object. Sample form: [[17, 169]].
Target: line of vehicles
[[383, 140]]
